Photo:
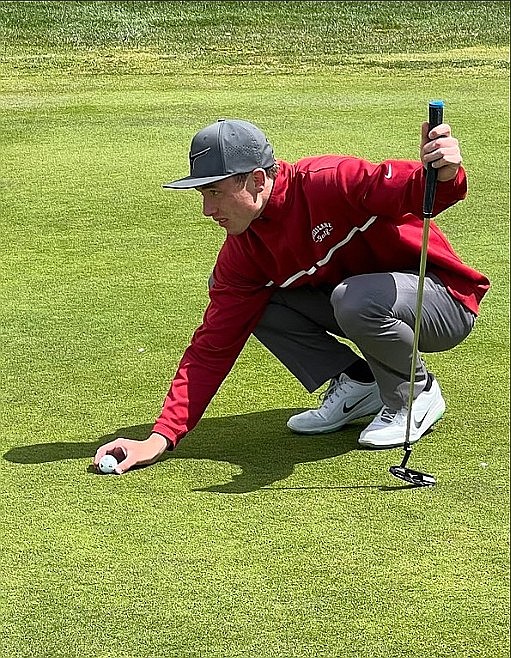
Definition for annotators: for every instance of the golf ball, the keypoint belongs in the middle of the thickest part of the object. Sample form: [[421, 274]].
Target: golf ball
[[107, 464]]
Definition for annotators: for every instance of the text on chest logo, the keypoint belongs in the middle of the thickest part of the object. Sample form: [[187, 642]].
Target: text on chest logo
[[321, 231]]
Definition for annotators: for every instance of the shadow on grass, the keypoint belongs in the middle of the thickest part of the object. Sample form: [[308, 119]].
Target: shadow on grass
[[259, 444]]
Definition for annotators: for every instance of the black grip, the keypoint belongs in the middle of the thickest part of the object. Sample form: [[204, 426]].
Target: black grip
[[436, 114], [436, 117]]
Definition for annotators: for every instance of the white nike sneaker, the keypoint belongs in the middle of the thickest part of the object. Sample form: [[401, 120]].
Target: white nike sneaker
[[388, 429], [344, 400]]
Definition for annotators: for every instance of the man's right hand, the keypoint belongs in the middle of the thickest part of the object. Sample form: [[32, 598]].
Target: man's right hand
[[131, 453], [442, 150]]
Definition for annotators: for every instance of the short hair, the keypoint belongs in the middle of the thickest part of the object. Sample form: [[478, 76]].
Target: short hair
[[271, 172]]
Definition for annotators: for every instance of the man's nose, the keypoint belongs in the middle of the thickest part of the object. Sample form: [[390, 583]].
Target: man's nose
[[208, 208]]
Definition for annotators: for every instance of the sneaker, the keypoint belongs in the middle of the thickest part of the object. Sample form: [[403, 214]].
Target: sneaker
[[344, 400], [388, 429]]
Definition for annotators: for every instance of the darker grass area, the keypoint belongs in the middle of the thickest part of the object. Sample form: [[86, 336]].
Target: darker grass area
[[312, 29]]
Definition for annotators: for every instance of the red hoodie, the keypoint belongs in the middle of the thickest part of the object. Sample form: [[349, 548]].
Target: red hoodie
[[328, 218]]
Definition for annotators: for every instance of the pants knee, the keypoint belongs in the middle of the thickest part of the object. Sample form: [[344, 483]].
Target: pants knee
[[358, 306], [347, 309]]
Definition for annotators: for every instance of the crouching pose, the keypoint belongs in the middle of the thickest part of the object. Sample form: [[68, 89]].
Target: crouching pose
[[321, 256]]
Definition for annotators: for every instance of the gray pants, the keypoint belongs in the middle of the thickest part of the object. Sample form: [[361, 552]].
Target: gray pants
[[376, 312]]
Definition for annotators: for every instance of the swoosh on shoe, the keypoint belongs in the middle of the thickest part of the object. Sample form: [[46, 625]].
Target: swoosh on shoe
[[346, 409]]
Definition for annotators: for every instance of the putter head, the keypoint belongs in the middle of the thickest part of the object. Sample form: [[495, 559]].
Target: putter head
[[415, 478]]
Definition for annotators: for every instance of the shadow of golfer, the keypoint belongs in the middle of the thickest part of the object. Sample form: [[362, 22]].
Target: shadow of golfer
[[259, 444]]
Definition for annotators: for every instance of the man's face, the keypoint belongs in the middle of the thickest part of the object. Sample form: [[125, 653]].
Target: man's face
[[233, 205]]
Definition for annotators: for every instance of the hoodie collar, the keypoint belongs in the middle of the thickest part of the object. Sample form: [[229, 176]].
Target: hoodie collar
[[278, 201]]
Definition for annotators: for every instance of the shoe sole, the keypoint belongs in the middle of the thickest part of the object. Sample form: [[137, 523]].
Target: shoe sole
[[337, 426]]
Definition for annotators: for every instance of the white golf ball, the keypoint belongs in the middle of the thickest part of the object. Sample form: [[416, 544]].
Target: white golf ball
[[107, 464]]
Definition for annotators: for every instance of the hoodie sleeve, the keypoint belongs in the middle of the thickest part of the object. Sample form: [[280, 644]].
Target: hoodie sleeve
[[233, 312], [394, 187]]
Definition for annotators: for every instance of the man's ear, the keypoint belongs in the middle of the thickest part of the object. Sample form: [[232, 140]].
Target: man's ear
[[259, 178]]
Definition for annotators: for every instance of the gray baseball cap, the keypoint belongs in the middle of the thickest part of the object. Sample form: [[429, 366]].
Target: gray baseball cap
[[223, 149]]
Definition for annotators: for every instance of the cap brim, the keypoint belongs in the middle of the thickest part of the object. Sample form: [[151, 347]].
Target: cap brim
[[189, 182]]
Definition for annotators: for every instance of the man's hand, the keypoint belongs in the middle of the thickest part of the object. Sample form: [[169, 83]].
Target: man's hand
[[131, 453], [442, 150]]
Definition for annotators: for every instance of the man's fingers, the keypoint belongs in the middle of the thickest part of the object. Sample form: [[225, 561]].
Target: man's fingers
[[451, 157], [114, 448], [442, 153], [100, 453], [126, 464], [438, 147], [440, 150], [129, 452], [424, 135], [443, 130], [427, 136]]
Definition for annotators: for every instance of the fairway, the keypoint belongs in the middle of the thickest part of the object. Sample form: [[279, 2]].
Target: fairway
[[247, 540]]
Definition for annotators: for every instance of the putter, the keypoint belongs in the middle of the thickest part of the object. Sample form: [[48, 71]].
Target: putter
[[416, 478]]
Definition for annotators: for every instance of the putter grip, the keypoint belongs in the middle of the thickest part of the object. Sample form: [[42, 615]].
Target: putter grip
[[436, 116]]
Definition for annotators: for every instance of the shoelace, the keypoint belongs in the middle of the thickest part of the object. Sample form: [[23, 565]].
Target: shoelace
[[334, 389], [387, 414]]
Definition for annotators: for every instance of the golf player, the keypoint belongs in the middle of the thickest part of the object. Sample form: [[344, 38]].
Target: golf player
[[320, 262]]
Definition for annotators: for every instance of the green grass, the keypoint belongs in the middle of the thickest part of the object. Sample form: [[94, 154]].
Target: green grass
[[211, 37], [246, 541]]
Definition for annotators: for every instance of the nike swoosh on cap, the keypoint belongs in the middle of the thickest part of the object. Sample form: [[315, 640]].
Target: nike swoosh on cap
[[194, 156], [199, 153]]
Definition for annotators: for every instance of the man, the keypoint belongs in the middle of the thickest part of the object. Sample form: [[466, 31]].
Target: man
[[319, 254]]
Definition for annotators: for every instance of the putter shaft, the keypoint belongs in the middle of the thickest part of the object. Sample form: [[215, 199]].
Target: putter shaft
[[408, 475]]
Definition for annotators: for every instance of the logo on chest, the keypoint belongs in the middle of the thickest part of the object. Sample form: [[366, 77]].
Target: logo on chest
[[321, 231]]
